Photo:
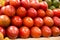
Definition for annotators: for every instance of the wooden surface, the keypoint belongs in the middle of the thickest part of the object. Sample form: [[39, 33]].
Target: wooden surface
[[49, 38]]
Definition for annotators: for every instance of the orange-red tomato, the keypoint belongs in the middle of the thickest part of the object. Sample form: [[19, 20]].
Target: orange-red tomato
[[24, 32], [35, 32], [48, 21], [28, 21], [49, 12], [41, 13], [38, 22], [16, 21], [21, 11], [55, 31], [46, 31]]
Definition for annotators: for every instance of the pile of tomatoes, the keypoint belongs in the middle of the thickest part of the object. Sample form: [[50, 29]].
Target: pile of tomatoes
[[28, 18]]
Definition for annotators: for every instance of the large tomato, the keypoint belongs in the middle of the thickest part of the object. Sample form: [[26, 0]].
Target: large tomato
[[24, 32], [8, 10], [17, 21], [28, 21], [4, 21], [35, 32], [12, 32]]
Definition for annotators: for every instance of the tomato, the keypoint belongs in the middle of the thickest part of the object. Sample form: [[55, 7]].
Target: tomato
[[12, 32], [49, 12], [28, 21], [32, 12], [55, 31], [56, 21], [21, 11], [43, 5], [48, 21], [2, 30], [56, 12], [38, 22], [15, 3], [24, 32], [9, 10], [35, 32], [41, 13], [46, 31], [17, 21], [4, 21]]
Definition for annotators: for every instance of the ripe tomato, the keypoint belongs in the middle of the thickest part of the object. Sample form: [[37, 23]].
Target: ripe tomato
[[48, 21], [46, 31], [24, 32], [55, 31], [35, 32], [56, 21], [38, 22], [4, 21], [49, 12], [56, 12], [32, 12], [21, 11], [17, 21], [8, 10], [2, 30], [12, 32], [41, 13], [15, 3], [28, 21]]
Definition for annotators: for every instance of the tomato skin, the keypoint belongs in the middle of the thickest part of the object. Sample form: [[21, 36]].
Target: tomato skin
[[56, 12], [8, 10], [55, 31], [38, 21], [49, 13], [41, 13], [15, 3], [56, 21], [24, 32], [46, 31], [35, 32], [28, 21], [4, 21], [48, 21], [2, 30], [21, 11], [12, 32], [17, 21], [32, 12], [43, 5]]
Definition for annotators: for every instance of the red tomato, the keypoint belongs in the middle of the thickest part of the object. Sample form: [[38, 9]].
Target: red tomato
[[17, 21], [2, 30], [27, 21], [32, 12], [38, 22], [15, 3], [9, 10], [55, 31], [56, 12], [49, 12], [4, 21], [48, 21], [7, 2], [56, 21], [35, 32], [25, 3], [41, 13], [21, 11], [12, 32], [46, 31], [24, 32], [43, 5]]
